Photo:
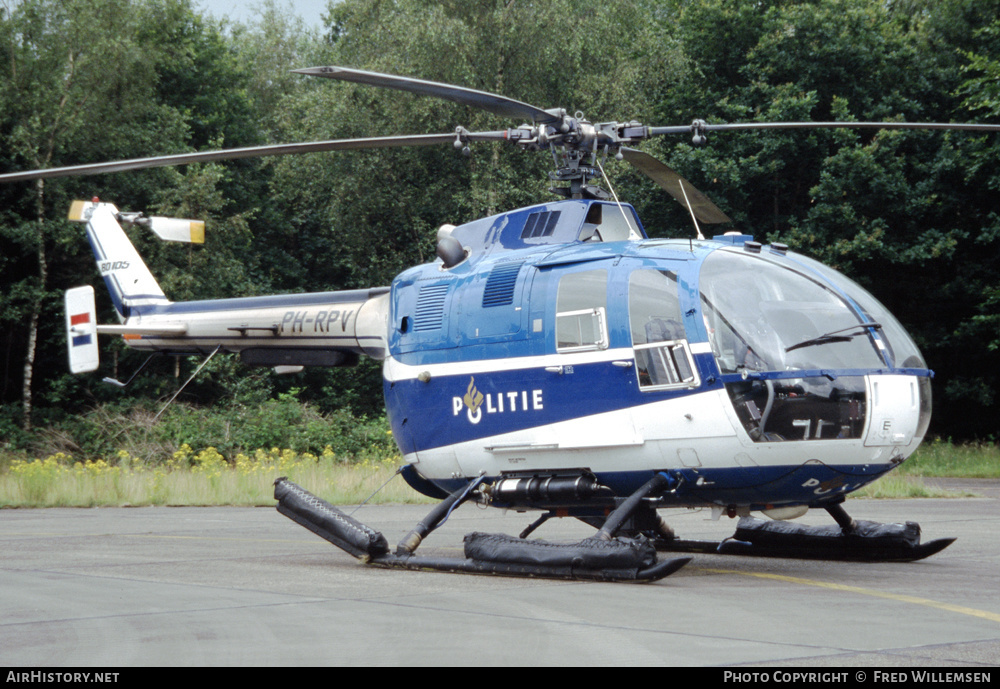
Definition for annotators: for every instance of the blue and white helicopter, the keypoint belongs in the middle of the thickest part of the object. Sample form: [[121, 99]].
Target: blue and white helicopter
[[555, 359]]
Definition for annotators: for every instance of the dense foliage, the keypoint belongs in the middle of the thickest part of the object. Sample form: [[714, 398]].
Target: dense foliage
[[912, 215]]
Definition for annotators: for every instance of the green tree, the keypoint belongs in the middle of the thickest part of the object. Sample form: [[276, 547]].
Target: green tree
[[62, 82], [89, 80], [576, 55], [912, 215], [356, 219], [909, 214]]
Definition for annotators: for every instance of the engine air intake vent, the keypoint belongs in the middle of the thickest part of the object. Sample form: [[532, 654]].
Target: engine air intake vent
[[500, 285], [541, 224], [430, 308]]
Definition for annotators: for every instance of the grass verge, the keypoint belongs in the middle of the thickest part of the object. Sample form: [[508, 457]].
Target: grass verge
[[897, 485], [203, 478], [942, 459], [208, 478], [936, 458]]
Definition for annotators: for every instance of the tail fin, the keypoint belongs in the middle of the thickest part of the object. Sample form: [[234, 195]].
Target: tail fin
[[129, 281], [81, 330]]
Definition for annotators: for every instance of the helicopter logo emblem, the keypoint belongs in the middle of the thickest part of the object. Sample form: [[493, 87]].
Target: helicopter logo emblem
[[473, 400]]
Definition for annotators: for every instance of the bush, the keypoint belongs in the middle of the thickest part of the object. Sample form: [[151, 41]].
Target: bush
[[231, 429], [12, 436]]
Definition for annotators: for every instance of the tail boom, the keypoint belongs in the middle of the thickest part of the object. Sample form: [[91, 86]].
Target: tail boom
[[294, 329], [317, 329]]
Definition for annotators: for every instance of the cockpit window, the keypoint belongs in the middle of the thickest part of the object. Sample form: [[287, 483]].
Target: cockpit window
[[900, 348], [762, 316]]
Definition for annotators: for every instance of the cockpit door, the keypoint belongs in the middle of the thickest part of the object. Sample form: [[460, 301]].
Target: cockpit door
[[663, 357]]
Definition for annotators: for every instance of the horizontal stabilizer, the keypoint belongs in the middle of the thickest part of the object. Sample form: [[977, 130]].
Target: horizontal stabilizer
[[165, 330]]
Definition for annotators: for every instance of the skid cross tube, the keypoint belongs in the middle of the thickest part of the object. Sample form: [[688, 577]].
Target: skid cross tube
[[624, 511], [435, 518]]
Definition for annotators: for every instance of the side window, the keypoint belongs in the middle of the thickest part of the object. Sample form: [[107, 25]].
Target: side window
[[581, 311], [662, 356]]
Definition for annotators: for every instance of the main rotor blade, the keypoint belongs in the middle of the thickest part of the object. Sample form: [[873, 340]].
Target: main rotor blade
[[702, 207], [251, 152], [743, 126], [490, 102]]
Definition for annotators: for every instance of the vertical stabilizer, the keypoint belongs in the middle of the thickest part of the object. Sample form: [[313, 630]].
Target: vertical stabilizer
[[81, 330], [129, 281]]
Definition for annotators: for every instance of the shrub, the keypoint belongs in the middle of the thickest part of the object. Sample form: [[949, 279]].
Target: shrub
[[284, 422]]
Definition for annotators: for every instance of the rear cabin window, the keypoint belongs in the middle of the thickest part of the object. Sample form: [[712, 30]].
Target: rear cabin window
[[581, 311]]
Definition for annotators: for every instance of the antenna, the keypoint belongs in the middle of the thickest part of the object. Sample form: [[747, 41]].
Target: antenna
[[690, 210]]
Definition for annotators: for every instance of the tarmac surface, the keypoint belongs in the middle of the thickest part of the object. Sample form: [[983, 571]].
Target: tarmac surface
[[119, 587]]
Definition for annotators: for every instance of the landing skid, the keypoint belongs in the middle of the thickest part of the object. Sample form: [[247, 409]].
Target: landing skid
[[566, 570], [860, 541], [602, 557]]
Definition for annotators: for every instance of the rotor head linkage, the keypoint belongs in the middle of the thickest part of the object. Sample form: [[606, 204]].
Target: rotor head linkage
[[698, 137]]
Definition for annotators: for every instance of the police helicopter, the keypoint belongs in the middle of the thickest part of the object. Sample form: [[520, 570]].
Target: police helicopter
[[554, 359]]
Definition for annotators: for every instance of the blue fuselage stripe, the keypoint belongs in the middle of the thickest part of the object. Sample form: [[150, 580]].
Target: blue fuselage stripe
[[452, 409]]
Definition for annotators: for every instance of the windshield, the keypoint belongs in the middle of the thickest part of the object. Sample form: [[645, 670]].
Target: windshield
[[766, 316], [900, 348]]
